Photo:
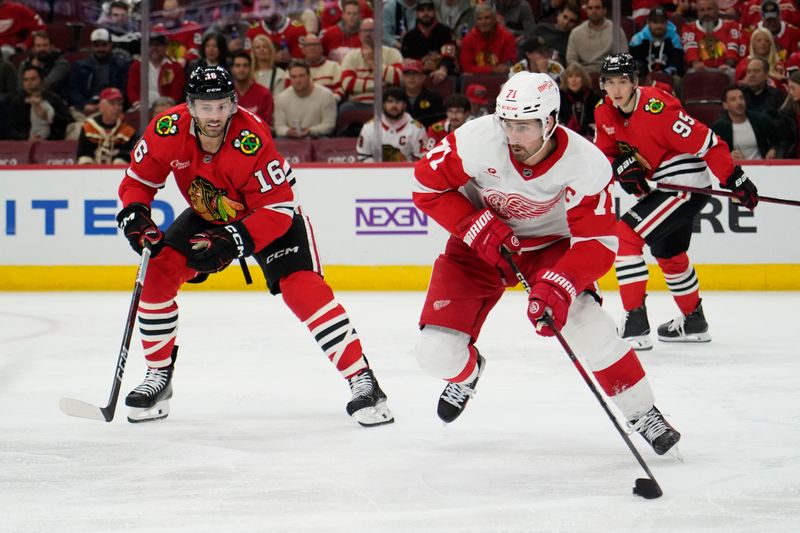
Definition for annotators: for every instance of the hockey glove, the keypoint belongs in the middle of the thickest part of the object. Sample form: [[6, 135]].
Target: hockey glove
[[214, 249], [744, 189], [486, 234], [138, 227], [630, 174], [552, 293]]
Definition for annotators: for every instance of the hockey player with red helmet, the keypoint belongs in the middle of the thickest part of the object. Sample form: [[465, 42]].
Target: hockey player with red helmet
[[239, 189], [518, 182], [647, 135]]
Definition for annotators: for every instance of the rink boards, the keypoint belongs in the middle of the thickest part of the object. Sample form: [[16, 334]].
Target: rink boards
[[57, 231]]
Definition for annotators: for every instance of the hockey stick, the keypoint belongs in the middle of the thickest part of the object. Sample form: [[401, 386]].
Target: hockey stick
[[717, 192], [647, 488], [248, 280], [83, 409]]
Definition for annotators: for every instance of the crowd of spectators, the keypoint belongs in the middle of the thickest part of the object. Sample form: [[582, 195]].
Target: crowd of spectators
[[70, 70]]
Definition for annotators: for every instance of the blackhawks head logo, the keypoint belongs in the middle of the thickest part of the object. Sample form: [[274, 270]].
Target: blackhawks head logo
[[654, 106], [247, 142], [167, 125], [211, 203]]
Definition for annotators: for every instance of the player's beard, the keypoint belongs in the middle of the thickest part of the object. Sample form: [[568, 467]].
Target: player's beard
[[522, 154], [215, 133]]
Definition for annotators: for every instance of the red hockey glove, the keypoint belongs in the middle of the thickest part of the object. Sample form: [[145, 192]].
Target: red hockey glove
[[485, 233], [744, 189], [552, 293], [214, 249], [630, 174], [138, 227]]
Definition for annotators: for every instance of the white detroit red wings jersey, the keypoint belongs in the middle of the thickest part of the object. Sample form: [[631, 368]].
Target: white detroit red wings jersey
[[246, 179], [567, 195], [678, 149], [403, 140]]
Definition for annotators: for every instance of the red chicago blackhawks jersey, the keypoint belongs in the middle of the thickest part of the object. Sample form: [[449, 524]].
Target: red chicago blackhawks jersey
[[288, 35], [183, 42], [677, 148], [246, 179], [785, 41], [566, 196], [711, 48]]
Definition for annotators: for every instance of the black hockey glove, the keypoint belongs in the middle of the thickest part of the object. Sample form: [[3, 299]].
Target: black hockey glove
[[744, 189], [138, 227], [630, 174], [214, 249]]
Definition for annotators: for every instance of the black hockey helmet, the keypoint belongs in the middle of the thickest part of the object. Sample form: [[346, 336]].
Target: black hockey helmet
[[619, 65], [209, 83]]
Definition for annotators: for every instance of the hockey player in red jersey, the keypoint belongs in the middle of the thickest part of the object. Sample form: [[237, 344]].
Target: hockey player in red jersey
[[240, 192], [518, 182], [646, 134]]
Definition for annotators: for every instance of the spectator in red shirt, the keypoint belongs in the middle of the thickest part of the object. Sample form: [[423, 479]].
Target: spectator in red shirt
[[252, 96], [710, 42], [786, 35], [488, 47], [345, 33], [169, 74], [183, 36], [17, 24]]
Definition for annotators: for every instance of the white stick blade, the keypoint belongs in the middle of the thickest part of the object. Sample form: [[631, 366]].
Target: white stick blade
[[80, 409]]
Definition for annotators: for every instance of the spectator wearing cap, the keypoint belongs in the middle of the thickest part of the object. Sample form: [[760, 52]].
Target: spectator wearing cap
[[591, 40], [324, 72], [749, 134], [17, 24], [345, 33], [710, 42], [35, 113], [431, 40], [556, 34], [488, 48], [757, 92], [358, 71], [305, 109], [751, 13], [251, 96], [516, 16], [100, 70], [657, 47], [478, 96], [106, 139], [537, 59], [458, 15], [402, 139], [424, 105], [578, 100], [50, 62], [165, 76], [399, 16], [457, 108], [785, 35]]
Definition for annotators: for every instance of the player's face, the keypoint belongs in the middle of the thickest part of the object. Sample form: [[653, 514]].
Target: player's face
[[620, 89], [212, 115], [457, 117], [524, 137]]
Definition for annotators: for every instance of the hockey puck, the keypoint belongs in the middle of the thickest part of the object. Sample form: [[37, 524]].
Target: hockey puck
[[647, 489]]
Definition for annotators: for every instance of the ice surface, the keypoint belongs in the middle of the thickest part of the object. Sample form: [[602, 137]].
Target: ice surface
[[258, 439]]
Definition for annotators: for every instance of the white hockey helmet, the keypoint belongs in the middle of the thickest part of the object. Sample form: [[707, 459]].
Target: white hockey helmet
[[527, 96]]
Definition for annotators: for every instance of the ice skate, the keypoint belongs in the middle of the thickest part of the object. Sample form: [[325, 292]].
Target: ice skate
[[455, 396], [368, 405], [636, 329], [656, 430], [150, 400], [690, 328]]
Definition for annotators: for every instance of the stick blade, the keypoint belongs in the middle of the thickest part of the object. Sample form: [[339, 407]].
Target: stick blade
[[81, 409], [647, 489]]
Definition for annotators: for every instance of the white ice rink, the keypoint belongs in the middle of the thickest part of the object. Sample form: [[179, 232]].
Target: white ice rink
[[258, 440]]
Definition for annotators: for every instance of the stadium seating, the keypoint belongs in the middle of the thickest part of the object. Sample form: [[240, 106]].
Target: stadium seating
[[492, 82], [349, 122], [335, 150], [13, 153], [295, 150], [54, 153], [443, 89], [704, 86], [706, 112]]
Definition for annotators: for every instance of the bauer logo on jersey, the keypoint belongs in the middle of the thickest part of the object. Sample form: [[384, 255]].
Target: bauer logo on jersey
[[211, 203], [247, 142], [654, 106], [517, 206], [167, 125]]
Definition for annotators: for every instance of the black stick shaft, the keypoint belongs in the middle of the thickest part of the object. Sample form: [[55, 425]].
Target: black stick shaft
[[583, 373], [728, 194]]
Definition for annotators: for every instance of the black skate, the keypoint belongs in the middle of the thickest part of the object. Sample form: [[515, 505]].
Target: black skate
[[368, 405], [455, 396], [656, 430], [150, 400], [690, 328], [636, 329]]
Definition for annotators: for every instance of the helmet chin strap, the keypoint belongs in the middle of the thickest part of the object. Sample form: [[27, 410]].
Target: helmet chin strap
[[545, 137]]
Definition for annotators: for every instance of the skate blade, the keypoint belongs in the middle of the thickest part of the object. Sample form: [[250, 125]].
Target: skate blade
[[694, 337], [675, 453], [641, 343], [377, 415], [149, 414]]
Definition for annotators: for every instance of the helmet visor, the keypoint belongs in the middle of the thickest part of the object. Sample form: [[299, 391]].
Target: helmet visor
[[210, 109], [522, 132]]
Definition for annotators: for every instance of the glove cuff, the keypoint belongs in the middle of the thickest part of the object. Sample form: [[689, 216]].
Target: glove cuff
[[562, 281], [241, 238], [736, 178], [124, 216], [472, 227]]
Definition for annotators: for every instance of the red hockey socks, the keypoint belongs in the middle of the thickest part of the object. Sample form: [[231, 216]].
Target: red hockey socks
[[620, 376], [311, 299], [470, 371], [682, 281], [630, 268]]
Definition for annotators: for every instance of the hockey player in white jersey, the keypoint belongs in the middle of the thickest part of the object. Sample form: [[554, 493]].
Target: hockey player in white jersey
[[402, 137], [516, 181]]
